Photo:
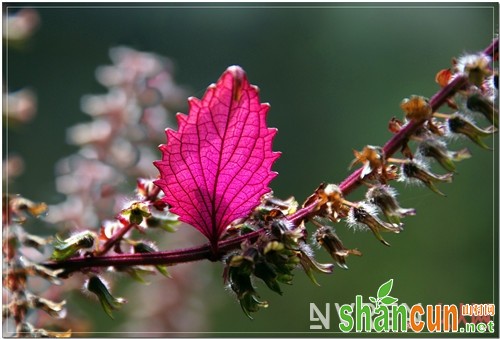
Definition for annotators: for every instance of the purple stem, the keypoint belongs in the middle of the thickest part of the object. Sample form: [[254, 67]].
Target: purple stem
[[205, 252], [157, 258], [115, 238]]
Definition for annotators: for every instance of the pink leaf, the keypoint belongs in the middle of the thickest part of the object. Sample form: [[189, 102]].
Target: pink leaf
[[217, 166]]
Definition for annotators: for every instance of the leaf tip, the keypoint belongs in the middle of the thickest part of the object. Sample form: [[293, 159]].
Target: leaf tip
[[193, 101], [181, 119], [236, 71]]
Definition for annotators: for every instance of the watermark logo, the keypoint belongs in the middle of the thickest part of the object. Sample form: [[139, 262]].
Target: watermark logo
[[384, 314], [316, 315]]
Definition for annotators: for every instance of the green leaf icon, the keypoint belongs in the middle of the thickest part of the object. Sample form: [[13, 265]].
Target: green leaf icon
[[388, 300], [373, 300], [384, 289]]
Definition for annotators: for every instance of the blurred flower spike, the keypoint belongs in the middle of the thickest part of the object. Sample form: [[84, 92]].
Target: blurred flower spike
[[17, 208], [20, 106], [20, 25]]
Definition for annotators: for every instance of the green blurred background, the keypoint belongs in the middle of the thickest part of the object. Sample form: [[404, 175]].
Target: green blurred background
[[334, 75]]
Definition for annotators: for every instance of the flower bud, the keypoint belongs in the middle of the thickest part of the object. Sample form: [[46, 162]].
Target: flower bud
[[238, 275], [250, 303], [372, 158], [365, 215], [266, 273], [287, 233], [309, 264], [437, 149], [326, 237], [443, 77], [384, 197], [413, 170], [136, 212], [417, 108], [475, 66], [161, 217], [146, 188], [329, 201], [395, 125], [273, 246], [64, 249], [459, 124], [272, 207], [99, 288]]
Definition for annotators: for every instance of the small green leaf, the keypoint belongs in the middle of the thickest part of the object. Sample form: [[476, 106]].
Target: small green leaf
[[385, 289], [388, 300], [163, 270], [372, 299]]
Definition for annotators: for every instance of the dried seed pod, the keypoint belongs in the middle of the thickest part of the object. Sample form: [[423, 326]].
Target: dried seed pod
[[437, 149], [328, 239], [364, 215], [478, 103], [461, 125], [384, 197], [413, 170]]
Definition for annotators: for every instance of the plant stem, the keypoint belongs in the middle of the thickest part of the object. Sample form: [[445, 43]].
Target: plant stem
[[115, 238], [168, 258], [204, 251]]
